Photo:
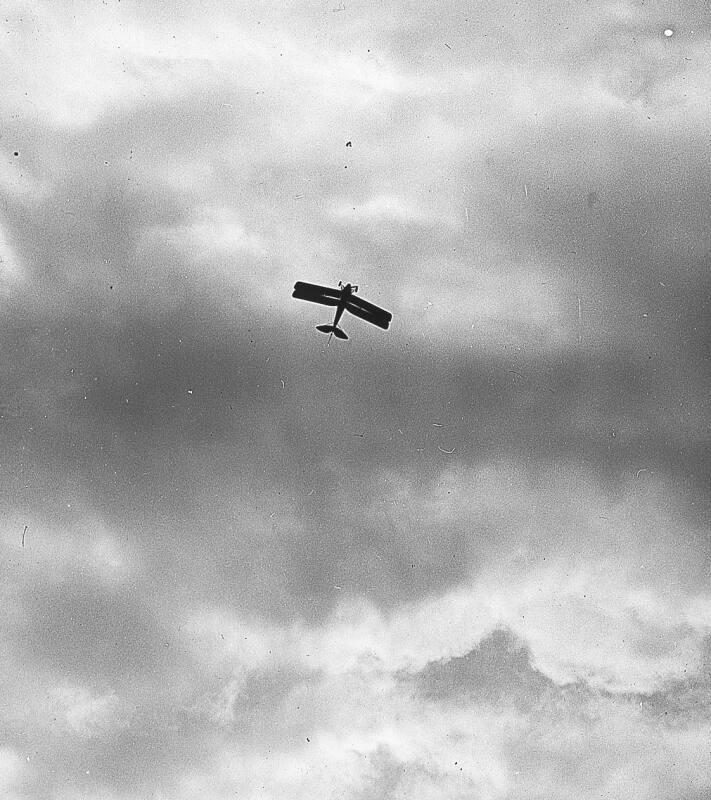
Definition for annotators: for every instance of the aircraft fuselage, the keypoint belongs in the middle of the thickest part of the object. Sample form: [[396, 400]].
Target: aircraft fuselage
[[346, 292]]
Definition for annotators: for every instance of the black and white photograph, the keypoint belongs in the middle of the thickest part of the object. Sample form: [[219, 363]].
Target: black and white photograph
[[355, 381]]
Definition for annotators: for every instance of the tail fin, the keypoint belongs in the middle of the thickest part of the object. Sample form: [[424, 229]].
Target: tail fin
[[331, 329]]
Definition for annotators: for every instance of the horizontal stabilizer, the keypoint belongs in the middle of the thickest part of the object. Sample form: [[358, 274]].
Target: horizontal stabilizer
[[332, 329]]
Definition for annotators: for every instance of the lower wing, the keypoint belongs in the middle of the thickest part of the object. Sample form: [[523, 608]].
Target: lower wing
[[369, 312], [316, 294]]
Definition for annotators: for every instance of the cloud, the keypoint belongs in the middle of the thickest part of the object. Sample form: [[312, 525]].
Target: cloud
[[487, 722], [468, 556], [10, 770], [84, 713], [498, 670]]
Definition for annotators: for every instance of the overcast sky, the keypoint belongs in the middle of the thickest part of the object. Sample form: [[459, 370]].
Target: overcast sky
[[468, 557]]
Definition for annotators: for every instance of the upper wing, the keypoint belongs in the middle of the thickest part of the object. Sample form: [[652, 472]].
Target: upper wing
[[316, 294], [369, 312]]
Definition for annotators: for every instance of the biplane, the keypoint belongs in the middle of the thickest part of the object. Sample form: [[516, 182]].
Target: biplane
[[343, 299]]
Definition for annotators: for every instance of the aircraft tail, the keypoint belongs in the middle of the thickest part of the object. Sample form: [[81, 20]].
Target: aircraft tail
[[332, 329]]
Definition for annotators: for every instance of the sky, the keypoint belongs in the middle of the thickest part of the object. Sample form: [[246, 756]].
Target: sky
[[467, 557]]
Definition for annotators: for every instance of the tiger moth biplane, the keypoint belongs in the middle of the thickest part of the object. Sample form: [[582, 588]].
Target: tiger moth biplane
[[345, 300]]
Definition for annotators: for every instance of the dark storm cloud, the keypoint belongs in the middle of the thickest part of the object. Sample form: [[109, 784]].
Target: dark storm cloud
[[174, 425], [83, 631], [497, 672], [140, 758], [646, 225]]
